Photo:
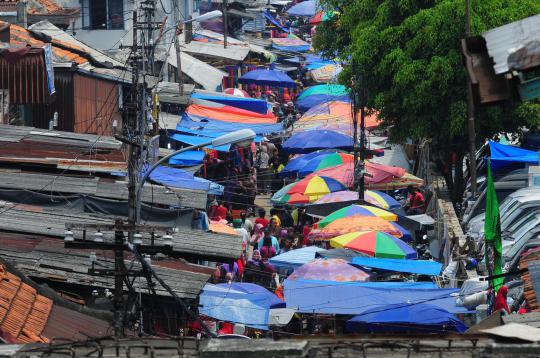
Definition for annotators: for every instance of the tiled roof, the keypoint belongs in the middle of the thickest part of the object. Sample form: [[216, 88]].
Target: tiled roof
[[40, 7], [531, 260], [61, 50], [23, 312]]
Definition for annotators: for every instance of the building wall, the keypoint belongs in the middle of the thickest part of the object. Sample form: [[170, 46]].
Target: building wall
[[112, 39], [95, 105]]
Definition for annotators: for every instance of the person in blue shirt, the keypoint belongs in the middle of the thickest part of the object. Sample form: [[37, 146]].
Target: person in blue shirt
[[268, 240]]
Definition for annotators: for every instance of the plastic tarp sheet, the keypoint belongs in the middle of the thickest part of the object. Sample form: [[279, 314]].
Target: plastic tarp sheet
[[178, 178], [250, 104], [290, 44], [421, 318], [422, 267], [231, 114], [305, 8], [193, 140], [310, 141], [188, 158], [295, 258], [503, 155], [213, 134], [274, 21], [243, 303], [308, 102], [207, 124], [353, 298], [210, 78]]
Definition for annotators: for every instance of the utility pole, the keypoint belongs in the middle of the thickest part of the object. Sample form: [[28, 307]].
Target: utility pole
[[470, 111], [119, 273], [225, 24], [177, 32], [359, 152]]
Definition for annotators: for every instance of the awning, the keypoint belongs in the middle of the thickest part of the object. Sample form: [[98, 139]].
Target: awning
[[502, 155], [250, 104], [233, 52], [210, 78], [178, 178], [421, 267], [188, 158], [201, 123]]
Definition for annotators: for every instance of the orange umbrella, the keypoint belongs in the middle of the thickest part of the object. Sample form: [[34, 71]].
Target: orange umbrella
[[336, 114], [359, 223]]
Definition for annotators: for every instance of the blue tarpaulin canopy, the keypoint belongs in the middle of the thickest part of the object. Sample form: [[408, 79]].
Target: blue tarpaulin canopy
[[502, 155], [295, 258], [310, 141], [344, 297], [249, 104], [243, 303], [178, 178], [408, 318], [211, 134], [214, 125], [305, 8], [421, 267], [308, 102], [193, 140], [268, 78], [274, 21], [188, 158]]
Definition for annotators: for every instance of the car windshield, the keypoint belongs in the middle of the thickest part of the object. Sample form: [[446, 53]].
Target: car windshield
[[507, 206], [512, 251], [518, 235]]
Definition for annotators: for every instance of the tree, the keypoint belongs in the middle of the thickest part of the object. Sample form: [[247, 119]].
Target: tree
[[406, 56]]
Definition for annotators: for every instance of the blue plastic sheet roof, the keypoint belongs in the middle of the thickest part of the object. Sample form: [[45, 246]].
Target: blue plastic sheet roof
[[274, 21], [264, 77], [421, 318], [355, 298], [249, 104], [178, 178], [188, 158], [503, 155], [193, 140], [243, 303], [213, 125], [295, 258], [422, 267], [305, 8], [308, 102]]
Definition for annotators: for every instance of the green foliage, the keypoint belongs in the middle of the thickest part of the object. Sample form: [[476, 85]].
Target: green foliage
[[405, 56]]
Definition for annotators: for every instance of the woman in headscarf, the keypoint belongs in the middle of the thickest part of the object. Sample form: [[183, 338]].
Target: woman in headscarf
[[258, 270], [500, 300], [258, 234]]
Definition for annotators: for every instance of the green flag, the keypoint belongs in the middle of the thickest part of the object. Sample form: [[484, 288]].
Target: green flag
[[492, 229]]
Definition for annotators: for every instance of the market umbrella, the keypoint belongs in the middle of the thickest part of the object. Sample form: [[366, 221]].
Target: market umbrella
[[236, 92], [305, 103], [357, 210], [268, 78], [305, 8], [328, 89], [398, 183], [325, 161], [373, 197], [341, 253], [376, 244], [327, 73], [299, 161], [295, 258], [320, 17], [333, 113], [309, 141], [419, 318], [337, 270], [360, 223], [315, 187], [222, 228], [283, 197]]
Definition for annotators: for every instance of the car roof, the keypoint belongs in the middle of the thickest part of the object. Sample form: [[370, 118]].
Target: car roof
[[525, 191]]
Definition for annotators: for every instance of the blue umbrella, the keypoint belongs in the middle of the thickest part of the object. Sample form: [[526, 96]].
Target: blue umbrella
[[294, 165], [305, 8], [310, 141], [407, 318], [305, 103], [268, 78], [244, 303]]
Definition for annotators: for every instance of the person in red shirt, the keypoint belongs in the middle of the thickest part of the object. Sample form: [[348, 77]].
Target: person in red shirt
[[261, 219], [416, 202], [220, 212]]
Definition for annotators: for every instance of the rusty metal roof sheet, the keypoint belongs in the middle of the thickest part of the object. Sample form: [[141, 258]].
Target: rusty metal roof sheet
[[507, 39]]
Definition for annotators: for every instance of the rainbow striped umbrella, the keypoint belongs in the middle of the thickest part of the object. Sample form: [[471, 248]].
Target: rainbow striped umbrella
[[337, 270], [357, 210], [315, 187], [373, 197], [376, 244], [325, 161]]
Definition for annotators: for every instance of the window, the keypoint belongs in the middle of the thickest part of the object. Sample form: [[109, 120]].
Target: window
[[102, 14]]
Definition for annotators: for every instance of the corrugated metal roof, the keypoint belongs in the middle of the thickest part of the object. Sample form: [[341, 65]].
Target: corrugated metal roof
[[506, 39]]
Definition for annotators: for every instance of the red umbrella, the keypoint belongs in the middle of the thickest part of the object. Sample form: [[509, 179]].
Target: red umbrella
[[236, 92]]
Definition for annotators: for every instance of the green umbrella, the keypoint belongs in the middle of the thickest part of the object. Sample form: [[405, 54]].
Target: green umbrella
[[327, 89]]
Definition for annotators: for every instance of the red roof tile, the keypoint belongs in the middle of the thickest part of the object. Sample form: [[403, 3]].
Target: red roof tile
[[40, 7]]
